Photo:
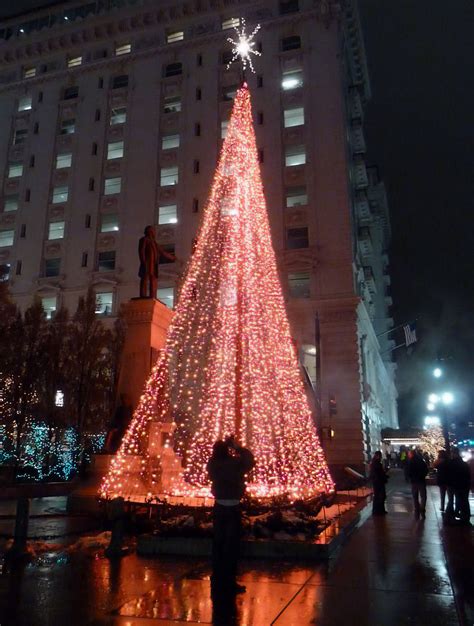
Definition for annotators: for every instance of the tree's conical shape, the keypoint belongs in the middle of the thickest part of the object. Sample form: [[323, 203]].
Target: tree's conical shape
[[229, 364]]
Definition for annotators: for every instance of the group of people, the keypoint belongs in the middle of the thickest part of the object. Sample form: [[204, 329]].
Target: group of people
[[454, 478]]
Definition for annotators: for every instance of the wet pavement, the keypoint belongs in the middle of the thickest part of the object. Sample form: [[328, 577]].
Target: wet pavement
[[393, 571]]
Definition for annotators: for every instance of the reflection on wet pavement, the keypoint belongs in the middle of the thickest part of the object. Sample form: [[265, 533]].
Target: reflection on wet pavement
[[393, 571]]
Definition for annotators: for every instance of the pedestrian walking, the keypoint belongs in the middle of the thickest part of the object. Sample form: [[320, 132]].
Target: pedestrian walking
[[459, 482], [378, 476], [441, 466], [227, 469], [416, 472]]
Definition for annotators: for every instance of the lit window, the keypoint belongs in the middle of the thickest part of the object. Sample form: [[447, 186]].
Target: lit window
[[52, 267], [15, 169], [231, 22], [294, 117], [169, 176], [125, 48], [229, 93], [112, 186], [49, 307], [11, 203], [104, 302], [115, 150], [177, 35], [290, 43], [20, 136], [168, 214], [109, 223], [63, 160], [295, 155], [25, 103], [297, 238], [74, 61], [6, 238], [68, 127], [167, 248], [106, 261], [169, 141], [118, 115], [120, 82], [292, 79], [29, 72], [299, 285], [296, 196], [172, 104], [56, 230], [173, 69], [59, 398], [60, 194], [166, 296], [224, 127]]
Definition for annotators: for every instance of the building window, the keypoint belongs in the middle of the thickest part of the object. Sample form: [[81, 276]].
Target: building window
[[124, 48], [197, 129], [49, 305], [94, 149], [71, 93], [195, 205], [299, 285], [74, 61], [230, 22], [29, 72], [120, 82], [11, 203], [68, 127], [60, 194], [297, 238], [52, 267], [198, 93], [84, 259], [169, 176], [196, 166], [91, 183], [56, 230], [18, 268], [109, 223], [170, 249], [6, 238], [296, 196], [172, 104], [118, 115], [261, 155], [87, 221], [169, 141], [166, 296], [106, 261], [32, 160], [173, 69], [294, 117], [224, 127], [15, 169], [115, 150], [23, 231], [97, 115], [36, 128], [112, 186], [27, 195], [20, 135], [177, 35], [104, 301], [168, 214], [290, 43], [25, 103], [229, 93], [63, 160], [295, 155], [199, 60], [40, 96], [260, 118], [259, 80], [288, 6], [292, 79]]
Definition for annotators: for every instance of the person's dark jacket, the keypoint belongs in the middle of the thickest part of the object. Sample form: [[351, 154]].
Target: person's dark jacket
[[442, 472], [459, 475], [377, 474], [228, 474], [417, 469]]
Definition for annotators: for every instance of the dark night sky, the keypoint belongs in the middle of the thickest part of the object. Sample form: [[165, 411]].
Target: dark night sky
[[419, 127]]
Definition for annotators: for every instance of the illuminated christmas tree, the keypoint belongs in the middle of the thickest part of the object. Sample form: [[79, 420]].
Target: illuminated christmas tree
[[432, 441], [229, 365]]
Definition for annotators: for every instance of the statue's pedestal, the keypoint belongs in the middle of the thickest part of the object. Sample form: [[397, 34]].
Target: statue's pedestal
[[147, 323], [84, 499]]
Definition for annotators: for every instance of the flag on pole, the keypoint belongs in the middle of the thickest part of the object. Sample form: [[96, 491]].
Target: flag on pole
[[410, 333]]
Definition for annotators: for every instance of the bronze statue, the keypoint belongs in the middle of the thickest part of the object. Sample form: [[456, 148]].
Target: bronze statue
[[150, 252]]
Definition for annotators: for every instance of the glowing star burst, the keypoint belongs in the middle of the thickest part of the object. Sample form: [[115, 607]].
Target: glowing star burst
[[229, 364], [243, 46]]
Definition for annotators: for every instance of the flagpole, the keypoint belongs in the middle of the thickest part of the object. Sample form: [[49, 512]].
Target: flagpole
[[392, 349], [396, 328]]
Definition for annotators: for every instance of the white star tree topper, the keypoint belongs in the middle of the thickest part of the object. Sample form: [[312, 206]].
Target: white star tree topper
[[243, 46]]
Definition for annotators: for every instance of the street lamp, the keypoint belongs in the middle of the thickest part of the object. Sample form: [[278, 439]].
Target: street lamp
[[430, 406], [433, 398], [437, 372], [447, 398]]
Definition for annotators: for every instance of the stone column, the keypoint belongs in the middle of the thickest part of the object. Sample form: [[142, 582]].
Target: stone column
[[147, 323]]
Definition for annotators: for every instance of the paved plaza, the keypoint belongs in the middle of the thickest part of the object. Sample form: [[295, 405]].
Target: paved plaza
[[392, 571]]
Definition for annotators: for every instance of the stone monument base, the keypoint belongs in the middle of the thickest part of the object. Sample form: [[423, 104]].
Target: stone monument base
[[85, 499]]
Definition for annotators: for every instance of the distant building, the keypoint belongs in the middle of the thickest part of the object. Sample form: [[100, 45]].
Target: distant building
[[113, 113]]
